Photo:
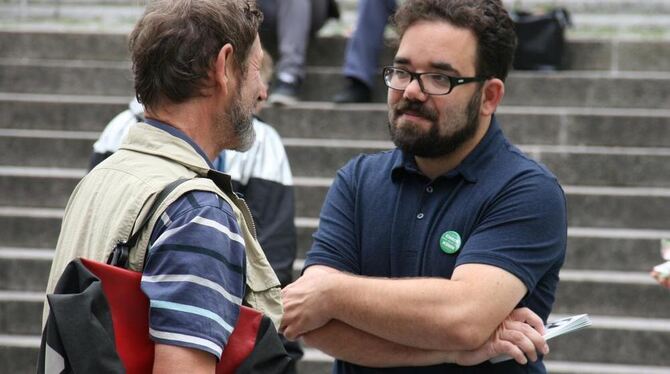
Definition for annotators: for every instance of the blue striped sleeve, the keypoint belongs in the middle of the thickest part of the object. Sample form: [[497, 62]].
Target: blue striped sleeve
[[194, 274]]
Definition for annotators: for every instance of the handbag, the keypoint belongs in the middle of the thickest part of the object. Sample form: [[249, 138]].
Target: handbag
[[541, 39], [99, 321]]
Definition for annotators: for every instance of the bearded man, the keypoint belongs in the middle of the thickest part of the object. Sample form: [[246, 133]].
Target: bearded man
[[197, 72], [441, 254]]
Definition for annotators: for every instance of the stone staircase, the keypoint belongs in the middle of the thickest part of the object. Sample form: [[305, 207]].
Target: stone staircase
[[591, 18], [603, 127]]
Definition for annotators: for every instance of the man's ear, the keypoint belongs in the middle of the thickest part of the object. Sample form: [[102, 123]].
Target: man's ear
[[494, 90], [224, 67]]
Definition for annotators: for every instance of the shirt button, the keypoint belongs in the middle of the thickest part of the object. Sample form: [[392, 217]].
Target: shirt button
[[419, 216], [429, 189]]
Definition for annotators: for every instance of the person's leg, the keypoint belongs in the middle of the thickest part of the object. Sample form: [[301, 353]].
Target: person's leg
[[364, 47], [297, 21], [319, 15], [268, 29], [294, 22]]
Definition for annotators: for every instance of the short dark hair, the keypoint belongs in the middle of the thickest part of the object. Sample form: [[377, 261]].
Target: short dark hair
[[175, 43], [487, 19]]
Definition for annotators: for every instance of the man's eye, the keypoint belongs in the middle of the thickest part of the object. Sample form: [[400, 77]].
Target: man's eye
[[439, 79], [401, 74]]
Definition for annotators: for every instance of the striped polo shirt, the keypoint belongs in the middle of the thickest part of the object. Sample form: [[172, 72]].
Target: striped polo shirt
[[194, 274]]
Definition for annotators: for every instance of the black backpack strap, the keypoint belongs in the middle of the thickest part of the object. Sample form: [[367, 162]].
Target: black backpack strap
[[121, 252]]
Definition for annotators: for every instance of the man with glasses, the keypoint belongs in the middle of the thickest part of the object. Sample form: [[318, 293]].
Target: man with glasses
[[444, 252]]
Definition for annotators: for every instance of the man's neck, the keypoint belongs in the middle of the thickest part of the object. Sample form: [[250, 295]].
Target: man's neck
[[194, 119], [434, 167]]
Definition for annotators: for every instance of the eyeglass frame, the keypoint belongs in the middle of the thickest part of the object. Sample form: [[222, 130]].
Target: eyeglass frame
[[453, 81]]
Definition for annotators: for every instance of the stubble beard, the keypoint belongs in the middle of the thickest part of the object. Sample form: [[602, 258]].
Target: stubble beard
[[431, 144], [241, 120], [243, 128]]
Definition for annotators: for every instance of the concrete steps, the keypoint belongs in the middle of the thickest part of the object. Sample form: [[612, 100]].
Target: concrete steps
[[604, 18], [580, 54], [590, 126], [590, 206], [610, 333], [592, 248], [622, 294], [596, 166], [567, 88]]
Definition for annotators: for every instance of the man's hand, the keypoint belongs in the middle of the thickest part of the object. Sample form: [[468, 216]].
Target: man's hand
[[662, 280], [305, 303], [518, 336]]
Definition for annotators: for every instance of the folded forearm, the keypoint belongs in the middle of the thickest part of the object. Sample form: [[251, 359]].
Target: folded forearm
[[408, 311], [352, 345]]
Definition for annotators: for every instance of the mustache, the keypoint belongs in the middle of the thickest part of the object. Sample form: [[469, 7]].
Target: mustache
[[416, 107]]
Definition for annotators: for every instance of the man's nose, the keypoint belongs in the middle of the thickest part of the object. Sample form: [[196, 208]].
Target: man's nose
[[263, 95], [413, 91]]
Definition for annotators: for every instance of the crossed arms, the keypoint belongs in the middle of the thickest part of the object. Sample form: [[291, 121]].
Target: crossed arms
[[413, 322]]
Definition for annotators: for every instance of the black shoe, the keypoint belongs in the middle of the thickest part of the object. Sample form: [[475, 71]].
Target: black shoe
[[284, 93], [355, 91]]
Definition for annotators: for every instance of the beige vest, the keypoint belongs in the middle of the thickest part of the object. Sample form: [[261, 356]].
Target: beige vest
[[117, 195]]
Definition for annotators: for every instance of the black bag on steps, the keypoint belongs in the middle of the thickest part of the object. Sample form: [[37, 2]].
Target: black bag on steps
[[541, 39]]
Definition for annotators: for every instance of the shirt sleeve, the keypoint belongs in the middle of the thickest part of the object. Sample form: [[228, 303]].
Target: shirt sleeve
[[524, 231], [335, 241], [194, 275]]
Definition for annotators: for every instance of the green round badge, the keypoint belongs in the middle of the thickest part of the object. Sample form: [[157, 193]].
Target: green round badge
[[450, 242]]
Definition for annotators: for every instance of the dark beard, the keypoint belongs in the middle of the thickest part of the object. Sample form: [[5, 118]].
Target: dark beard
[[432, 145]]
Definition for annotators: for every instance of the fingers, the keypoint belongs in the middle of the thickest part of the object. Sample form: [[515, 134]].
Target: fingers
[[526, 338], [528, 316], [290, 334], [663, 281], [521, 342], [289, 326], [506, 348]]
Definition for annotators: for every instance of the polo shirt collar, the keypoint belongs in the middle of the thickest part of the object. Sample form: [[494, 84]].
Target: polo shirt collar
[[469, 168]]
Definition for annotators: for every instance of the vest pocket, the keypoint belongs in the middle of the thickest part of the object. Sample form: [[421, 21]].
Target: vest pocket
[[263, 294]]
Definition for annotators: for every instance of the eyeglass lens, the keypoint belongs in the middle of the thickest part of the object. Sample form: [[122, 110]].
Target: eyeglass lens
[[431, 83]]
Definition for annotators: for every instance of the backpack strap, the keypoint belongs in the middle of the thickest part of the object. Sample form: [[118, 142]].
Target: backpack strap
[[121, 252]]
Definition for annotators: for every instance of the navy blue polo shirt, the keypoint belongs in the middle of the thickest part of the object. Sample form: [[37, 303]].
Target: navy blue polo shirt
[[383, 217]]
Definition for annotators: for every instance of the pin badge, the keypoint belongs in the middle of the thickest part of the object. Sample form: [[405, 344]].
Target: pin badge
[[450, 242]]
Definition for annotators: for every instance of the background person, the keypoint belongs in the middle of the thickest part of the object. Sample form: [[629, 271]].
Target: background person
[[291, 24], [361, 60]]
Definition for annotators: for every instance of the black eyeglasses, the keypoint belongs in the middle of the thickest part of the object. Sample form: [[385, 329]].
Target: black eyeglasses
[[430, 83]]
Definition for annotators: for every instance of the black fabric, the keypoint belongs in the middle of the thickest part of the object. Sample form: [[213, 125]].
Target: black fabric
[[79, 327], [293, 348], [333, 9], [269, 355], [97, 158], [506, 367], [271, 204], [541, 39]]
